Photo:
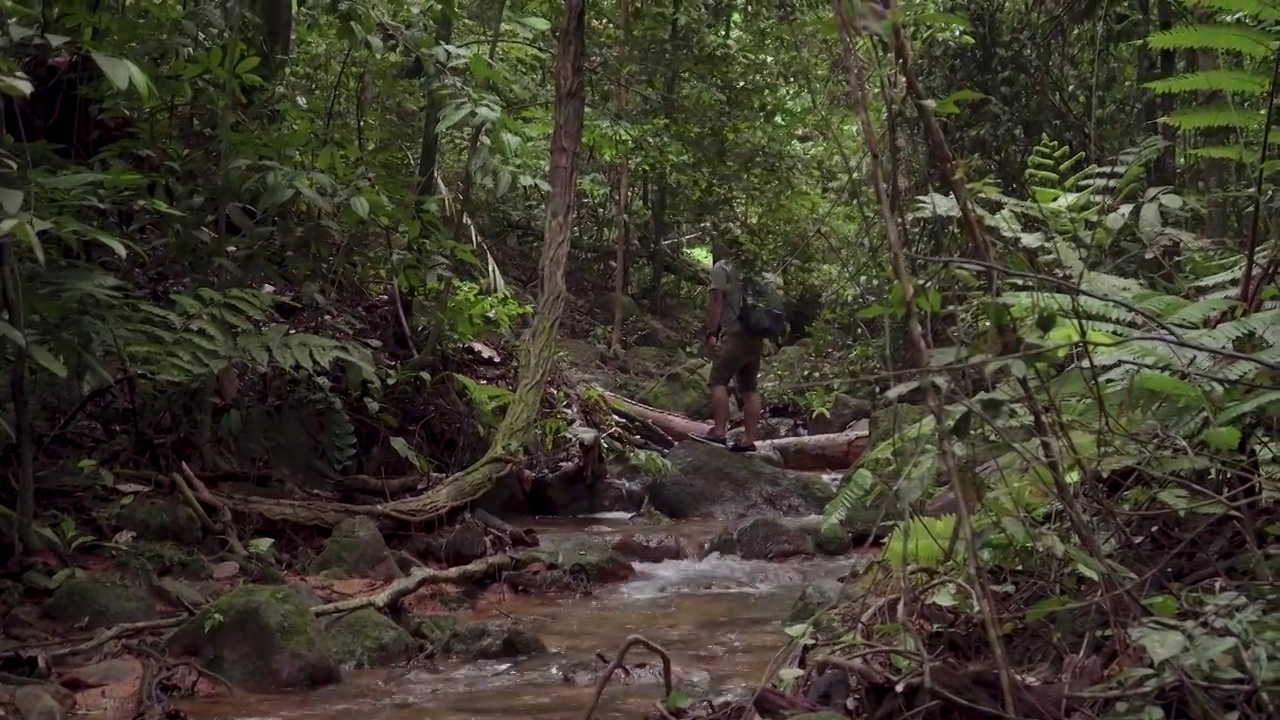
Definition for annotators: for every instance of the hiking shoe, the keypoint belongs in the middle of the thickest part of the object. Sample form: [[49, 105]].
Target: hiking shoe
[[709, 439], [740, 447]]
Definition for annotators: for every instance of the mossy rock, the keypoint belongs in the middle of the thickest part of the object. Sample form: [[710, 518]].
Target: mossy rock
[[260, 638], [597, 560], [435, 630], [356, 549], [161, 521], [99, 602], [366, 638], [829, 539], [165, 558], [493, 640]]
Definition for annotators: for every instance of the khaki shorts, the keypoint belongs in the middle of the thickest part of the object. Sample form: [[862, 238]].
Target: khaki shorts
[[739, 361]]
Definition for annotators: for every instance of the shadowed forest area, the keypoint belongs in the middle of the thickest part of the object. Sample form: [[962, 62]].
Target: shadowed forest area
[[354, 335]]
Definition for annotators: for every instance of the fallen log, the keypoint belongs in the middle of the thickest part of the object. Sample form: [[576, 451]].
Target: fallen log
[[833, 451], [830, 451]]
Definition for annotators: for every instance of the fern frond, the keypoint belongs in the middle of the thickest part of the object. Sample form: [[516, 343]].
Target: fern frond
[[1221, 37], [1260, 9], [1214, 116], [921, 541], [856, 489], [1221, 80], [1239, 153]]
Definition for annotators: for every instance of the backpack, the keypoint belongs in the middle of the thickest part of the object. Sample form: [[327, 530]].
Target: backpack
[[762, 314]]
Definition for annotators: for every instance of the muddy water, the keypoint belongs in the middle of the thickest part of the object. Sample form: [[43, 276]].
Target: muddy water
[[719, 615]]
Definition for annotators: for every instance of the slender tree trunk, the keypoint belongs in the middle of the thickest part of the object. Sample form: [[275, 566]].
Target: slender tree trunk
[[661, 222], [624, 193], [429, 156], [538, 353], [24, 537]]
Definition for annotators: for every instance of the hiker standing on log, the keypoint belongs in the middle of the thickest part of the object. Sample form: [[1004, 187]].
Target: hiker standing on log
[[744, 310]]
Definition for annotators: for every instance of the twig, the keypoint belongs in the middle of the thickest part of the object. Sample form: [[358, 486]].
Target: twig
[[629, 643], [118, 631], [406, 586]]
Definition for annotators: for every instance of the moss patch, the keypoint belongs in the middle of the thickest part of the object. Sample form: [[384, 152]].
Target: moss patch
[[367, 638], [99, 602]]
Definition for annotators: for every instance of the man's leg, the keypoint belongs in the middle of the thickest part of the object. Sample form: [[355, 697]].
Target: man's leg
[[747, 381], [724, 368], [719, 410]]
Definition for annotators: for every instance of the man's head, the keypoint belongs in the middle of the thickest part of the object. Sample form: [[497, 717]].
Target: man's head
[[721, 249]]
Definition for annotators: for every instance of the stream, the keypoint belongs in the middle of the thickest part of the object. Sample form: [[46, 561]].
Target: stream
[[721, 615]]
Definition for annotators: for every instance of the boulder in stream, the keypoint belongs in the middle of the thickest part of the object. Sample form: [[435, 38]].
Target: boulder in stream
[[762, 539], [366, 638], [356, 549], [493, 640], [828, 538], [598, 561], [261, 638], [97, 602], [651, 547], [586, 673], [705, 481]]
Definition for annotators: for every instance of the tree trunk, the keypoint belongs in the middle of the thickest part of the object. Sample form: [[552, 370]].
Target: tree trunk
[[24, 530], [539, 348], [624, 192], [662, 183]]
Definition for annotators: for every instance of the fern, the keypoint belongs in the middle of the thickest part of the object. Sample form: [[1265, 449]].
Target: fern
[[921, 541], [1216, 36]]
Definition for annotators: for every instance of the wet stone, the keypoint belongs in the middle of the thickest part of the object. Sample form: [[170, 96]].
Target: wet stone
[[366, 638], [493, 640]]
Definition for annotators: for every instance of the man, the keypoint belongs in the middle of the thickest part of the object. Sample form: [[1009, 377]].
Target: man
[[735, 356]]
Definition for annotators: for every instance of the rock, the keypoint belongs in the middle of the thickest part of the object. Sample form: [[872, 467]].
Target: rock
[[99, 602], [844, 410], [355, 550], [306, 592], [824, 715], [827, 539], [600, 563], [261, 638], [762, 539], [167, 558], [618, 495], [34, 703], [367, 638], [224, 570], [493, 640], [180, 594], [650, 547], [816, 597], [709, 482], [107, 672], [435, 630], [464, 543], [161, 520], [586, 673]]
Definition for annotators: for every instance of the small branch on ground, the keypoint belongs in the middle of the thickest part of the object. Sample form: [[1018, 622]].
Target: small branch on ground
[[406, 586], [618, 659]]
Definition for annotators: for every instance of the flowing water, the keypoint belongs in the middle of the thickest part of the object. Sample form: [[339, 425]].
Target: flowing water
[[719, 615]]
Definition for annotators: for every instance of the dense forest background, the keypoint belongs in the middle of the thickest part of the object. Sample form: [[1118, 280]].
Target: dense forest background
[[302, 240]]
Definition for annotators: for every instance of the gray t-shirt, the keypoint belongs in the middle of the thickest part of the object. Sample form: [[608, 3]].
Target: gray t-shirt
[[727, 280]]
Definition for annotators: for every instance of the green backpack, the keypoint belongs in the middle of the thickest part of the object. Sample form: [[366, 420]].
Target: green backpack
[[763, 312]]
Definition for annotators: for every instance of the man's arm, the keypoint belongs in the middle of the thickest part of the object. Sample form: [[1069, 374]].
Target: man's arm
[[715, 306]]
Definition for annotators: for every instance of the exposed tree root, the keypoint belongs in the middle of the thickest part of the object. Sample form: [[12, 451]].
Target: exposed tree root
[[406, 586], [618, 659]]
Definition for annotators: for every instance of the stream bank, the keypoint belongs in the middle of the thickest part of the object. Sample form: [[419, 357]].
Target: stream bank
[[720, 618]]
